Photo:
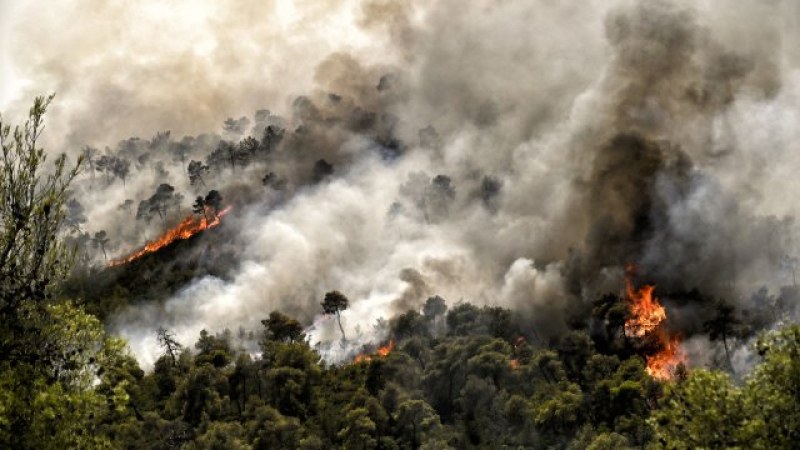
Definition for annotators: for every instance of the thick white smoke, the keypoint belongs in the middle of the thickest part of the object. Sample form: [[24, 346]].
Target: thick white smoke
[[530, 101]]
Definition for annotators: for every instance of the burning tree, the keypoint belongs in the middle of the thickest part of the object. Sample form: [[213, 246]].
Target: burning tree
[[334, 303], [645, 320], [208, 207], [184, 230]]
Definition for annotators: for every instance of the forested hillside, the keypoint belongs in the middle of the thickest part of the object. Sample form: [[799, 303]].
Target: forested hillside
[[399, 224], [448, 376]]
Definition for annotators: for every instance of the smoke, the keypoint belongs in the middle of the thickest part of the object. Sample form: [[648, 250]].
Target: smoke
[[512, 153]]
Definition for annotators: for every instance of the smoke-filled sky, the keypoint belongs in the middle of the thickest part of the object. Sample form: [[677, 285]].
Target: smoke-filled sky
[[542, 145]]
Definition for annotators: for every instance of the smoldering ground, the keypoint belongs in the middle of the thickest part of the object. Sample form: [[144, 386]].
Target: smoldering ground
[[511, 153]]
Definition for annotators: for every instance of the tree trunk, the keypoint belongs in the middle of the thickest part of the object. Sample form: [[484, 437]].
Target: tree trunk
[[341, 328], [258, 383], [244, 392], [728, 353]]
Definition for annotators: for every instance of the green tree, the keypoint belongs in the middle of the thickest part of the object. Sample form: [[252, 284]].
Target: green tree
[[433, 308], [334, 303], [723, 326], [561, 410], [269, 429], [293, 379], [196, 170], [282, 328], [52, 354], [32, 259], [463, 319], [704, 411], [221, 436], [100, 239], [415, 420], [63, 403], [359, 430], [172, 348], [409, 324], [772, 390], [708, 410]]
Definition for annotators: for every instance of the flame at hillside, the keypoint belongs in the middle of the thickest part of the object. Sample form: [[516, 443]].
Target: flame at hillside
[[382, 352], [646, 312], [646, 317], [663, 364], [188, 227]]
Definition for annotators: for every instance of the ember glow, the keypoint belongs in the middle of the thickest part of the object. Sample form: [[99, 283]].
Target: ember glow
[[382, 352], [663, 364], [646, 312], [646, 317], [188, 227]]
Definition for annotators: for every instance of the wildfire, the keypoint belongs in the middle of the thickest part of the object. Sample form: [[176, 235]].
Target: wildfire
[[383, 352], [646, 316], [646, 312], [386, 349], [662, 365], [190, 226]]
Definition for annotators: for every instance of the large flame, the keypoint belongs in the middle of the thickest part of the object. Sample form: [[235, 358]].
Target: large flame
[[646, 317], [190, 226], [382, 352], [663, 364], [646, 312]]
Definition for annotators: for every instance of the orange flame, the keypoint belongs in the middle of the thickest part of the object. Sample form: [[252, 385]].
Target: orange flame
[[647, 314], [361, 357], [184, 230], [383, 352], [386, 349], [663, 364]]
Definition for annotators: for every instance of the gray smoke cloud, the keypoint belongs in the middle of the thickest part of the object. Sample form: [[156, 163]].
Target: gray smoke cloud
[[513, 153]]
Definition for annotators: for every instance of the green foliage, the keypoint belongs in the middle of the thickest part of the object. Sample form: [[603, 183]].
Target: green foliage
[[282, 328], [473, 391], [32, 208], [64, 403], [704, 411], [470, 381], [334, 303], [708, 411], [60, 375], [772, 390]]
